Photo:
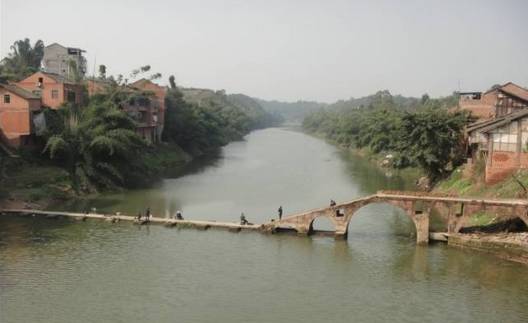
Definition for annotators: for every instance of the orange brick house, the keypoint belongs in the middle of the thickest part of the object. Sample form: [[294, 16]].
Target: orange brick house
[[17, 107], [144, 106], [159, 93], [503, 144], [495, 102], [53, 89]]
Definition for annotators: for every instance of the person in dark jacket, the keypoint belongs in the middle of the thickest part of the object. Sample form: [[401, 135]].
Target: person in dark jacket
[[243, 220]]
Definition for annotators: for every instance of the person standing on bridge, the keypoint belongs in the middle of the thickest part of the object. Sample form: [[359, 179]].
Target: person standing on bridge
[[179, 215], [243, 220], [148, 215], [280, 212]]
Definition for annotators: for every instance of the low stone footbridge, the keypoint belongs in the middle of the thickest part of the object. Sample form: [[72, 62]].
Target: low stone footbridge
[[417, 205]]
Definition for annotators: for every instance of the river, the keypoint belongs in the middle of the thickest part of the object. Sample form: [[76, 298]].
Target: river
[[68, 271]]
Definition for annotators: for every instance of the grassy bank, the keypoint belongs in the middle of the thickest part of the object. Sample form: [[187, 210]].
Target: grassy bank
[[470, 183], [466, 182], [35, 182]]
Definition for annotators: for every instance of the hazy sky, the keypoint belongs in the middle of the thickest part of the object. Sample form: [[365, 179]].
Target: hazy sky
[[290, 49]]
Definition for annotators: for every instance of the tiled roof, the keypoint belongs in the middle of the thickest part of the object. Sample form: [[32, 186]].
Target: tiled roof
[[515, 90], [488, 125], [19, 91]]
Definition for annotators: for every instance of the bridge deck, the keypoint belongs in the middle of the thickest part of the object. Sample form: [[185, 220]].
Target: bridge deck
[[153, 220], [469, 200]]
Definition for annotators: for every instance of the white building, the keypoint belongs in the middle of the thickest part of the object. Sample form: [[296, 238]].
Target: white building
[[68, 62]]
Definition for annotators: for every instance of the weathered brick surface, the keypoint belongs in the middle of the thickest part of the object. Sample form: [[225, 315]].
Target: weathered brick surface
[[504, 164]]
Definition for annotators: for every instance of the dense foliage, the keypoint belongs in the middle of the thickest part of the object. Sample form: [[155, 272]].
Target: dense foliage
[[423, 133], [23, 60], [97, 145], [199, 119]]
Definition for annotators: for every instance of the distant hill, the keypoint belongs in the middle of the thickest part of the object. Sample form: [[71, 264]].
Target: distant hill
[[380, 98], [291, 111], [258, 117]]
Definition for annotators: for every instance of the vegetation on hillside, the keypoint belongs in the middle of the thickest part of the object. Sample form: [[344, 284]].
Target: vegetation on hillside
[[200, 119], [23, 60], [95, 145], [419, 132], [290, 111]]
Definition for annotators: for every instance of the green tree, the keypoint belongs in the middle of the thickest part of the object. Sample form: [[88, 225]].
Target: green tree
[[23, 60], [434, 140], [96, 146]]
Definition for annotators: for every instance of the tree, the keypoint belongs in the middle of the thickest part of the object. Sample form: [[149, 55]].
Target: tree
[[96, 145], [425, 98], [434, 140], [23, 60]]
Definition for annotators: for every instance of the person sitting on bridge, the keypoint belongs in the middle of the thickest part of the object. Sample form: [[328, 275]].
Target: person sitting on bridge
[[280, 212], [243, 220], [179, 215], [138, 217], [332, 203]]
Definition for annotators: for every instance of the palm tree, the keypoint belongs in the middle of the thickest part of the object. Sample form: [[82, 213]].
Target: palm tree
[[95, 145], [24, 59]]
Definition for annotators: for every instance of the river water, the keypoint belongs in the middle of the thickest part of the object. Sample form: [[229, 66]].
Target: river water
[[67, 271]]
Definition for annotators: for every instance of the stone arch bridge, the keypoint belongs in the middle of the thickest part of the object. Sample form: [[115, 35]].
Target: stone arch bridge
[[455, 210]]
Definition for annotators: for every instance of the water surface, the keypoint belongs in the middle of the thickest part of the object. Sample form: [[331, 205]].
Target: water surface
[[67, 271]]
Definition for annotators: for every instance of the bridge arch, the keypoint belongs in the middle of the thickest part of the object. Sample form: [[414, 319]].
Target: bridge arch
[[419, 217], [328, 223]]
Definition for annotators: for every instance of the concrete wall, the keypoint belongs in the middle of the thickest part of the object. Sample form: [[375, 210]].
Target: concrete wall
[[56, 60]]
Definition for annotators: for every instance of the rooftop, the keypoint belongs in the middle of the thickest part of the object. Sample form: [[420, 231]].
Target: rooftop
[[19, 91]]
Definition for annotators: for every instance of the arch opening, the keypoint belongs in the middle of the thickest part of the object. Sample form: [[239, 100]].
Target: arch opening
[[382, 219], [323, 226]]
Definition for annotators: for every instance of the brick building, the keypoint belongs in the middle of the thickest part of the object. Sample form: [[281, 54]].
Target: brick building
[[53, 89], [145, 104], [17, 108], [496, 102], [502, 143], [158, 95]]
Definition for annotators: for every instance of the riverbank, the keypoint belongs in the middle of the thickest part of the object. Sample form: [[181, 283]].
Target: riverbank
[[383, 162], [35, 183], [508, 246], [484, 231]]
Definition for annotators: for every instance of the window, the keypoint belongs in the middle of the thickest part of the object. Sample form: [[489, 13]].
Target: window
[[54, 94], [505, 138], [71, 96], [7, 98]]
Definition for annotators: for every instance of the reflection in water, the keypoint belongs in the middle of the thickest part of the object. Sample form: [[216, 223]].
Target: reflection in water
[[59, 270]]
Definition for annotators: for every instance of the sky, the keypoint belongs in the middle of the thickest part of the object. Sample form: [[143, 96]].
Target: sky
[[288, 50]]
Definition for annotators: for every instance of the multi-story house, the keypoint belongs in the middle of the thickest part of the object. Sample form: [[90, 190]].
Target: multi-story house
[[53, 89], [158, 94], [17, 108], [67, 62], [142, 105], [496, 102], [502, 140]]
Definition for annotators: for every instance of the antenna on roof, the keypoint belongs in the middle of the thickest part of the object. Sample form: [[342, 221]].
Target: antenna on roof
[[95, 64]]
